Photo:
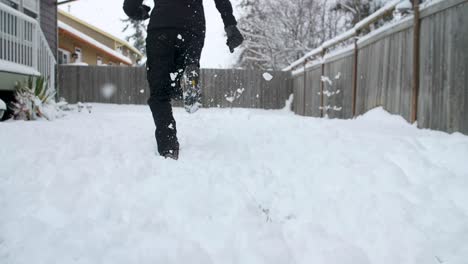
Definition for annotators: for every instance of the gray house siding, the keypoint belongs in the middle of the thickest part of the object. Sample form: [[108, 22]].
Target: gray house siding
[[48, 20]]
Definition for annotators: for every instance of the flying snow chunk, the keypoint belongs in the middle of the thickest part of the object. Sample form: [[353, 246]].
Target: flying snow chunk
[[108, 90], [327, 80], [179, 36], [230, 99], [142, 91], [336, 108], [268, 77], [174, 75]]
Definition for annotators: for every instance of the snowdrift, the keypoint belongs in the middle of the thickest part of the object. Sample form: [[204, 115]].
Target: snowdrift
[[252, 186]]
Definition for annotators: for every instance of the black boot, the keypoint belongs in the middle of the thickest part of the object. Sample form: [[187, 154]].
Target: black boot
[[174, 154], [193, 95]]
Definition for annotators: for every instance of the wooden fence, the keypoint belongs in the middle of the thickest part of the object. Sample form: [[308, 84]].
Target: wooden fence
[[379, 70], [416, 68], [221, 88]]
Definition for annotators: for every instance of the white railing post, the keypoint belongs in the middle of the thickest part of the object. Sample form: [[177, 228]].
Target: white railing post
[[35, 47]]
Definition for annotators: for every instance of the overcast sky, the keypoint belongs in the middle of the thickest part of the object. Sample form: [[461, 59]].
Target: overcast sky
[[106, 14]]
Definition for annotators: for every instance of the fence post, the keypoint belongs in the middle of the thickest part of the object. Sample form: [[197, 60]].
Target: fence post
[[355, 74], [305, 88], [416, 56], [322, 84], [35, 48]]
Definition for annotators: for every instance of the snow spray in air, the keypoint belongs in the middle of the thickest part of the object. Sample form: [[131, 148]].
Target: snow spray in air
[[108, 90]]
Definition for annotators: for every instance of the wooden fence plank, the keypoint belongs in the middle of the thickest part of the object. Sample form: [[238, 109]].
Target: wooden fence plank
[[444, 70], [312, 105], [340, 92]]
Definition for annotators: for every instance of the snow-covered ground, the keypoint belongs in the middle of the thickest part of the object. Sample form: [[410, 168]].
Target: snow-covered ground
[[251, 186]]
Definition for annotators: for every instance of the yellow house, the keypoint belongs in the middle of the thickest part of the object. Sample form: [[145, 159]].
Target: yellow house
[[83, 43]]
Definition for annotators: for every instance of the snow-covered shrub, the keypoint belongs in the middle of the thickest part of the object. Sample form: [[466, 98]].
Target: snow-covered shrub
[[63, 105], [33, 100], [2, 108]]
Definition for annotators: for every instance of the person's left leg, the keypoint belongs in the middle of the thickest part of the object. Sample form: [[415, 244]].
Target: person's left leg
[[161, 51]]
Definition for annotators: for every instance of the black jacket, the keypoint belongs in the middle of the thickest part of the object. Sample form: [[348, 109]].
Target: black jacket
[[184, 14]]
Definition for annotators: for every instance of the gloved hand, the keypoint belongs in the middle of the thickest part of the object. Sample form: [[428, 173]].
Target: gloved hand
[[234, 37], [142, 13]]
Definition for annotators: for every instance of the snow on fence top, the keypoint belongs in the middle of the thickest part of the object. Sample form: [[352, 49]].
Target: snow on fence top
[[377, 15], [384, 29], [346, 35]]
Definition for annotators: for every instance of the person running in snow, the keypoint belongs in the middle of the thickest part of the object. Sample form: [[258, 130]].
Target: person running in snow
[[176, 36]]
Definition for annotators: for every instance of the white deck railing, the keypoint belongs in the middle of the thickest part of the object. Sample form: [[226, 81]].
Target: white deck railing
[[23, 46]]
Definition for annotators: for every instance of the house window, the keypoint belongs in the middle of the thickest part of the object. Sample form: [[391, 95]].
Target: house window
[[78, 55], [64, 56], [99, 60], [31, 8], [125, 52], [11, 3], [30, 13]]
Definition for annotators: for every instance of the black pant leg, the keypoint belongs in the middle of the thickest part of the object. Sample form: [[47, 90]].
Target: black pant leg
[[192, 47], [161, 52], [177, 73]]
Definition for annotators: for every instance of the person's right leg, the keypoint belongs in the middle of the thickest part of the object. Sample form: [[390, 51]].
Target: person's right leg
[[161, 50], [192, 48]]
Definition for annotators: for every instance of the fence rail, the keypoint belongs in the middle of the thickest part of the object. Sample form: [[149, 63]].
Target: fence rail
[[221, 88], [416, 68], [23, 46]]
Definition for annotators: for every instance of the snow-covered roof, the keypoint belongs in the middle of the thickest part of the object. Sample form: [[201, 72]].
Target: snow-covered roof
[[93, 42], [8, 66], [385, 28], [100, 31]]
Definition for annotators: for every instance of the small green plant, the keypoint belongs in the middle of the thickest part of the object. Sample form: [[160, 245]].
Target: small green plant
[[33, 100]]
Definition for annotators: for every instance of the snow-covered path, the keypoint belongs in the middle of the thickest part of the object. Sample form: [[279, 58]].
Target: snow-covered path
[[251, 186]]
